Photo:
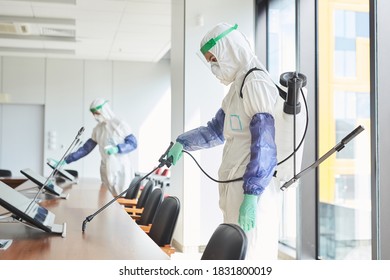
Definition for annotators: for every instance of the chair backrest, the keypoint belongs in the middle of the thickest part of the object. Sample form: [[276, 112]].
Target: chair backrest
[[158, 171], [147, 189], [165, 172], [164, 221], [5, 173], [151, 205], [228, 242], [133, 188]]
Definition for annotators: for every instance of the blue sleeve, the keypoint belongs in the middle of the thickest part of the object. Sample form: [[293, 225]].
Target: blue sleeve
[[204, 136], [129, 145], [82, 151], [263, 161]]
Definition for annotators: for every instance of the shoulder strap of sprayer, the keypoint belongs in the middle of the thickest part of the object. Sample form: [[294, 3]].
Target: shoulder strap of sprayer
[[282, 93]]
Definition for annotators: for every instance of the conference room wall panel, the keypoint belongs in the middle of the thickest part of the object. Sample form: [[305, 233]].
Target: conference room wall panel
[[23, 80], [21, 144], [142, 96], [97, 84], [64, 106], [67, 87]]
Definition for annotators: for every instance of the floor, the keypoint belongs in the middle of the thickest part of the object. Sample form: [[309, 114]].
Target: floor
[[283, 255], [186, 256]]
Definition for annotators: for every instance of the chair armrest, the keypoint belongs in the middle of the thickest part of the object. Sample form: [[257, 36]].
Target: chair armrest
[[133, 210], [127, 202], [168, 249], [146, 229], [135, 217]]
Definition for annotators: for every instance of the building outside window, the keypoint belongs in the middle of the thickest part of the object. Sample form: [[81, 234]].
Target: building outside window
[[344, 209]]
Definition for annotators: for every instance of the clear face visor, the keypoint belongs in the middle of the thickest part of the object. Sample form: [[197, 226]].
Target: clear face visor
[[204, 60], [210, 44]]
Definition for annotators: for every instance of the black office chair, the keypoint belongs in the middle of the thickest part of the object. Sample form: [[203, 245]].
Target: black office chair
[[228, 242], [164, 223], [5, 173], [136, 206], [151, 205], [132, 192]]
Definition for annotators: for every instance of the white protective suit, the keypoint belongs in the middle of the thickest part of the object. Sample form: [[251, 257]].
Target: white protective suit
[[116, 170], [260, 98]]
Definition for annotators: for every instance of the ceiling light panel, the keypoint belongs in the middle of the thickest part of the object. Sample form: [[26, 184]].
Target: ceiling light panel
[[137, 30]]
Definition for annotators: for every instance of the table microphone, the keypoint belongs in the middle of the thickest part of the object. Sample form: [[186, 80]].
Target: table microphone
[[80, 132], [75, 144], [163, 161]]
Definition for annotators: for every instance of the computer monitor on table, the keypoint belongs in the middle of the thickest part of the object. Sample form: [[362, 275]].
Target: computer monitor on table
[[62, 172], [28, 211], [38, 179]]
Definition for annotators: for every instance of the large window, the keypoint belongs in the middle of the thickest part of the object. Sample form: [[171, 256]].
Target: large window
[[344, 103]]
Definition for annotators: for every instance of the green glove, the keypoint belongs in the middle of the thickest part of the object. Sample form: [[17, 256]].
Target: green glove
[[175, 152], [56, 163], [247, 217], [111, 150]]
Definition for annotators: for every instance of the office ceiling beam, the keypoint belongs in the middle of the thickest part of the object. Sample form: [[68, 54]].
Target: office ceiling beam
[[69, 2], [35, 50], [38, 20], [37, 38]]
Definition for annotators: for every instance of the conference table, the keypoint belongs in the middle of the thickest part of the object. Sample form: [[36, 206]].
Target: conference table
[[110, 235]]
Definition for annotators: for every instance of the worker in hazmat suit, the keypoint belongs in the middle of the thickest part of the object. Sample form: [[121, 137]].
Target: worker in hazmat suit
[[115, 141], [246, 124]]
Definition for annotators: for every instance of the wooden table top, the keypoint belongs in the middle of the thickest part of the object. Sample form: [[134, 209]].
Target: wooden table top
[[110, 235], [13, 182]]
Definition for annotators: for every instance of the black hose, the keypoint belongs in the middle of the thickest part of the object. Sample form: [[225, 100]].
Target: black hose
[[282, 161]]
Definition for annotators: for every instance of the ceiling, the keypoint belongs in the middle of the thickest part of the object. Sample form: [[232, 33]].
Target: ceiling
[[130, 30]]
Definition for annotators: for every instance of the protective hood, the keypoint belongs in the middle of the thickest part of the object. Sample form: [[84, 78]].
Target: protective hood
[[232, 51], [101, 106]]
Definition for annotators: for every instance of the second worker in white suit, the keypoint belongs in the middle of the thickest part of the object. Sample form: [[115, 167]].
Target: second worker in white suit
[[115, 141]]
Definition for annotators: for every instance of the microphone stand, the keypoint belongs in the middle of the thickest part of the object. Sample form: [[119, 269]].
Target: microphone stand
[[76, 139], [163, 161], [339, 146], [75, 142]]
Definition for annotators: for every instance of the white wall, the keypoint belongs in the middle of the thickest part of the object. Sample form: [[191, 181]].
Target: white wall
[[21, 139], [138, 93], [196, 97]]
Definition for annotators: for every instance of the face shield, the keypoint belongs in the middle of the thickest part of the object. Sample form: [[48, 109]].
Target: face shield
[[213, 41], [97, 112], [97, 108], [210, 44]]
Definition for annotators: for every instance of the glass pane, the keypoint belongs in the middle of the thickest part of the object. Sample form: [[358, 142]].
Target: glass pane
[[344, 103], [281, 58]]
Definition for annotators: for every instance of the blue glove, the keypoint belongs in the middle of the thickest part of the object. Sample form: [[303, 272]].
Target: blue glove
[[111, 150], [247, 217], [175, 152]]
